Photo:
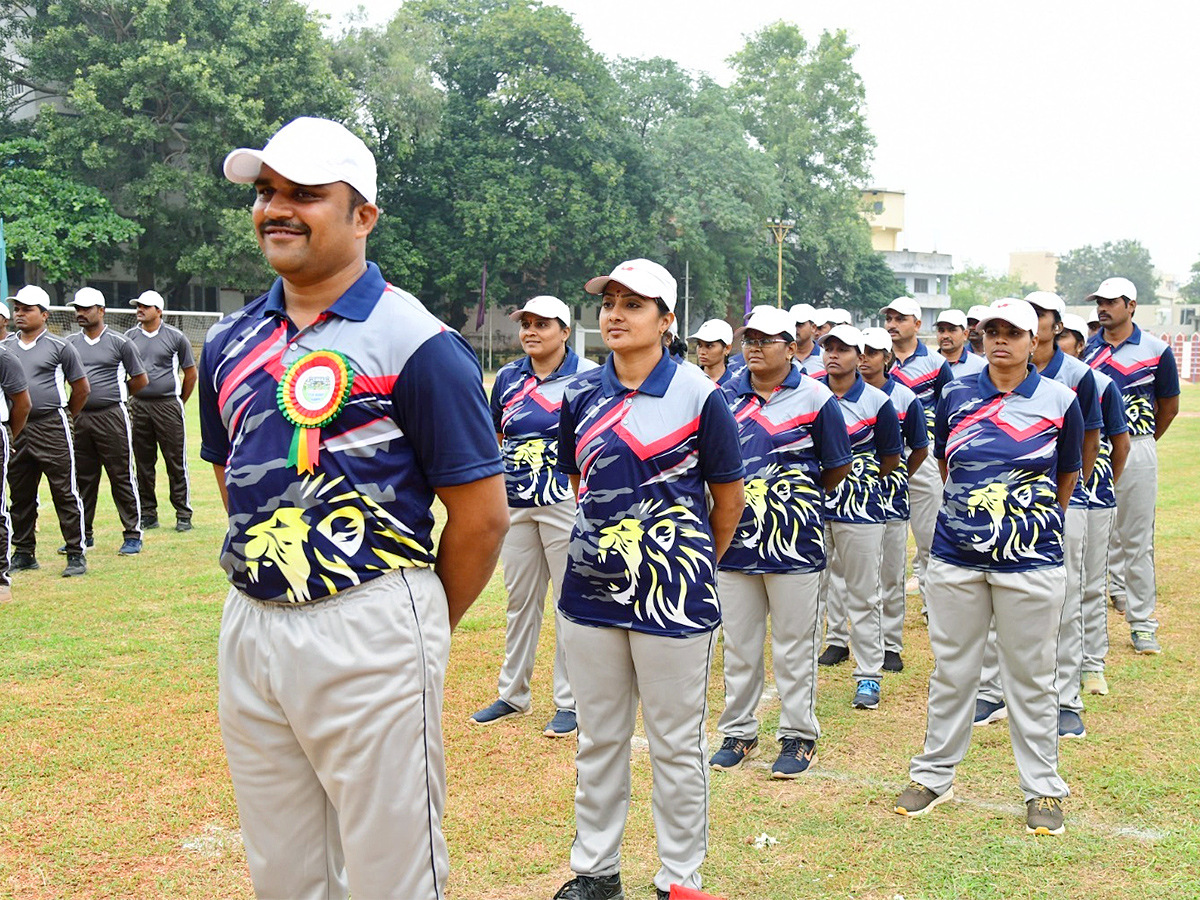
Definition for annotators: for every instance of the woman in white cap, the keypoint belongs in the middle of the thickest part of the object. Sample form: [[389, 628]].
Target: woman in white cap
[[795, 448], [642, 438], [541, 505], [854, 516], [713, 341], [1010, 444]]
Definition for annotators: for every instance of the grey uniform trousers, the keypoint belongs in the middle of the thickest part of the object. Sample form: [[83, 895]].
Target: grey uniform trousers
[[1095, 592], [1027, 607], [331, 714], [45, 447], [610, 669], [924, 500], [850, 590], [158, 424], [891, 583], [792, 600], [1131, 557], [104, 440], [534, 557]]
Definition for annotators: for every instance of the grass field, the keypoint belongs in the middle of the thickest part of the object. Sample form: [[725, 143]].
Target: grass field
[[113, 780]]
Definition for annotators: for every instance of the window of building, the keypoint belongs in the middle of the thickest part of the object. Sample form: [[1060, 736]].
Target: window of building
[[877, 207], [1187, 316], [920, 285]]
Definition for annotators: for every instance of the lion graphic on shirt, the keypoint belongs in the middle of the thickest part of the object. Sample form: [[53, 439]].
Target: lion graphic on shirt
[[783, 504], [1018, 510]]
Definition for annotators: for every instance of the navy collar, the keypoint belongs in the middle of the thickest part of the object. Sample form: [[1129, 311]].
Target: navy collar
[[568, 366], [1025, 388], [856, 389], [742, 385], [1135, 337], [1054, 365], [921, 350], [355, 305], [656, 382]]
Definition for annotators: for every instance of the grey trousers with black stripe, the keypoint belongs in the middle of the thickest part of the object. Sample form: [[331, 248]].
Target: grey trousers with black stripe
[[850, 590], [331, 714], [104, 440], [610, 669]]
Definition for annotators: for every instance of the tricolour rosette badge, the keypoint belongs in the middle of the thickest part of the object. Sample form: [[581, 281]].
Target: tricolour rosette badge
[[311, 394]]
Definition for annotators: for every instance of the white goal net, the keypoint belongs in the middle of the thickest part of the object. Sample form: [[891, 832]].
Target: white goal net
[[194, 325]]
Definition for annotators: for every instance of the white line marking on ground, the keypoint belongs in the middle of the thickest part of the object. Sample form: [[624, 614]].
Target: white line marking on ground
[[215, 842]]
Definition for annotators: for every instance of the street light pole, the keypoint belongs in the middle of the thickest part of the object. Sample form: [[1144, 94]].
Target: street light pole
[[780, 228]]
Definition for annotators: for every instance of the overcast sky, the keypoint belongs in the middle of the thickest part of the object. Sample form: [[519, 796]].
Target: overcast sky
[[1010, 126]]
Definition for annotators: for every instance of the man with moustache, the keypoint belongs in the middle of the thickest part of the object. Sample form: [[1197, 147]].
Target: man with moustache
[[951, 327]]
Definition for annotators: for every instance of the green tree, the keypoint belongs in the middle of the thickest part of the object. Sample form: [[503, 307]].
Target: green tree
[[69, 230], [1191, 290], [976, 286], [1081, 270], [148, 97]]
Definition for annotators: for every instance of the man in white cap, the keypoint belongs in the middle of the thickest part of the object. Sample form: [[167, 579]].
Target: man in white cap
[[808, 353], [1093, 324], [336, 631], [103, 433], [925, 374], [157, 410], [974, 335], [951, 328], [45, 446], [822, 320], [1144, 368]]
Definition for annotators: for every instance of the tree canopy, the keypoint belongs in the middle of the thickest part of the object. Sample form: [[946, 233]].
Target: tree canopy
[[1081, 270], [974, 285]]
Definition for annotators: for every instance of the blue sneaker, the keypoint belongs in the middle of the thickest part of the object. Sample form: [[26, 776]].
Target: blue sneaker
[[734, 751], [866, 695], [562, 725], [987, 712], [499, 710], [795, 758], [1070, 724], [131, 547]]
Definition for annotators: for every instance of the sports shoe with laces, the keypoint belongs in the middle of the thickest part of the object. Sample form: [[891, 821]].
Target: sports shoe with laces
[[833, 655], [131, 547], [150, 522], [1145, 642], [866, 694], [987, 712], [562, 725], [586, 887], [1094, 683], [183, 525], [1070, 724], [76, 565], [497, 711], [22, 562], [1044, 815], [916, 799], [795, 758], [892, 661], [734, 751]]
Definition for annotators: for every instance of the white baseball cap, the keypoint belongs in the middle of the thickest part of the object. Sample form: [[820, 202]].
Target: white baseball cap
[[975, 312], [715, 330], [1112, 288], [839, 316], [1072, 322], [1047, 300], [821, 315], [148, 298], [877, 338], [803, 312], [309, 151], [906, 306], [32, 295], [642, 277], [545, 306], [772, 320], [87, 297], [1016, 312], [1094, 316], [848, 335], [955, 317]]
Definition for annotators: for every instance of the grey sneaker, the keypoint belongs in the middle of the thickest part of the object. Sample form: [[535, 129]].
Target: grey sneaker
[[1044, 815], [916, 800], [1118, 602], [75, 565], [1094, 683], [1145, 642]]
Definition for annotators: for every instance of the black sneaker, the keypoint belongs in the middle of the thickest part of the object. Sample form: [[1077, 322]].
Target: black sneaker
[[183, 525], [833, 655], [795, 758], [892, 661], [149, 522], [586, 887], [75, 565], [660, 894], [88, 544], [23, 562]]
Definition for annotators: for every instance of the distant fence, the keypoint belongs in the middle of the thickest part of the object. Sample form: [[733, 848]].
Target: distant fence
[[1186, 348]]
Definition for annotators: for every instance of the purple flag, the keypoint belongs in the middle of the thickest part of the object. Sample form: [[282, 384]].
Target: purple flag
[[747, 295], [479, 313]]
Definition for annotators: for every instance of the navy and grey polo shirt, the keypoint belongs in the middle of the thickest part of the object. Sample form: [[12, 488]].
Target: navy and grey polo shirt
[[1076, 375], [416, 419], [164, 352], [787, 440], [50, 364], [641, 555], [1004, 452], [109, 360], [911, 413], [525, 414], [1100, 490], [966, 364], [925, 374], [874, 431], [1143, 368], [813, 365], [12, 379]]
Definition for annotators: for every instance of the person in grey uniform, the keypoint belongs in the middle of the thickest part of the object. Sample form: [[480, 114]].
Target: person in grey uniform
[[13, 415], [45, 445], [103, 434], [157, 410]]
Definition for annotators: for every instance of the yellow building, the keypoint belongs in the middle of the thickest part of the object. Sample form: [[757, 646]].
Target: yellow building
[[1039, 267], [884, 212]]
